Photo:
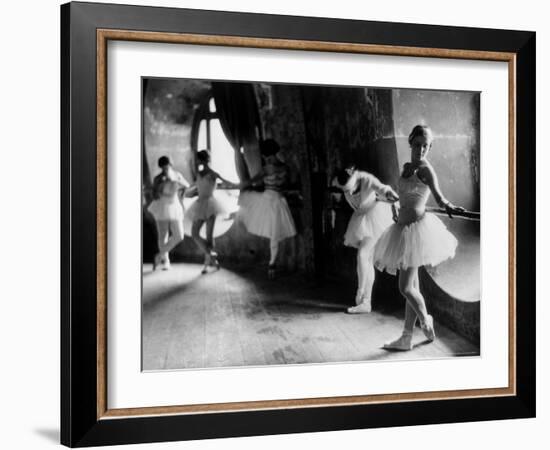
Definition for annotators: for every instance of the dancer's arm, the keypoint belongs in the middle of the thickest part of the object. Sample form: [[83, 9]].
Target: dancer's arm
[[191, 191], [427, 175], [224, 180], [180, 179], [383, 190]]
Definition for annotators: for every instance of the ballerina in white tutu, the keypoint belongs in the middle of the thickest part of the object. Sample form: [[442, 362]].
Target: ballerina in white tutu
[[417, 238], [267, 213], [167, 210], [206, 208], [369, 219]]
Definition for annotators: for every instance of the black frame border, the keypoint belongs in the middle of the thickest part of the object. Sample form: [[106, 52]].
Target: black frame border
[[79, 423]]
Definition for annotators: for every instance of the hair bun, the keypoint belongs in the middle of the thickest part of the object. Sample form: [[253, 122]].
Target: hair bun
[[269, 147]]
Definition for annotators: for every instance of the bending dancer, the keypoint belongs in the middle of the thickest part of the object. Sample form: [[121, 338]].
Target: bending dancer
[[417, 238], [167, 210], [206, 208], [369, 219], [267, 213]]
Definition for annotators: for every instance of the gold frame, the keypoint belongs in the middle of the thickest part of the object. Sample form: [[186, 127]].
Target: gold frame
[[103, 36]]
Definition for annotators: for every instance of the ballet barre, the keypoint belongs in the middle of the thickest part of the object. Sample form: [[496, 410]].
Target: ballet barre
[[468, 215]]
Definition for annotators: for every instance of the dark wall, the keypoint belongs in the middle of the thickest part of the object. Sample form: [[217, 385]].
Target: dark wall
[[344, 125]]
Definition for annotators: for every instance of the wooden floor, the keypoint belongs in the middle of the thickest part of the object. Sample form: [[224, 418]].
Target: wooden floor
[[236, 318]]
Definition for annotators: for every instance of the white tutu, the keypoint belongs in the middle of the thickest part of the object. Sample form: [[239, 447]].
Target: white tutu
[[266, 214], [166, 209], [204, 207], [368, 222], [426, 242]]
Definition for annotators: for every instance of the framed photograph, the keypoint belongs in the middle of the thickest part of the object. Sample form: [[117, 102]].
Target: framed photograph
[[277, 224]]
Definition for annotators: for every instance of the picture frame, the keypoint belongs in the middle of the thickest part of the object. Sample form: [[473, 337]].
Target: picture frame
[[86, 419]]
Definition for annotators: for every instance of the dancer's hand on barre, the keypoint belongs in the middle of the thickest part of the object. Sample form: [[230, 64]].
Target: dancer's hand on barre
[[394, 213], [452, 209], [391, 195], [387, 194]]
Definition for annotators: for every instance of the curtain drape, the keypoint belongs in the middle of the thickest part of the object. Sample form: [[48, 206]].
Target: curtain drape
[[240, 120], [147, 186]]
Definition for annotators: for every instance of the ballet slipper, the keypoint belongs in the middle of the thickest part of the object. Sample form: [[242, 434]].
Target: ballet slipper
[[165, 262], [157, 261], [428, 328], [402, 343], [207, 262], [214, 260], [363, 307]]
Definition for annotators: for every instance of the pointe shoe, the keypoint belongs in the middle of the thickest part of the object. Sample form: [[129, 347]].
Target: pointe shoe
[[363, 307], [207, 262], [428, 328], [402, 343], [214, 260], [165, 263], [157, 261]]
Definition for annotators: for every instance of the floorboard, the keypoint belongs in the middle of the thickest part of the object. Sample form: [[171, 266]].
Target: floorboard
[[231, 318]]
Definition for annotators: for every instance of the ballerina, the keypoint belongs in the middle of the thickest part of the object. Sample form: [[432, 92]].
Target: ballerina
[[417, 238], [266, 213], [167, 210], [369, 219], [206, 208]]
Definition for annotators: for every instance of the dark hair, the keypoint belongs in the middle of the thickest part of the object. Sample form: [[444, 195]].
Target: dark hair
[[343, 175], [421, 130], [269, 147], [203, 156], [164, 161]]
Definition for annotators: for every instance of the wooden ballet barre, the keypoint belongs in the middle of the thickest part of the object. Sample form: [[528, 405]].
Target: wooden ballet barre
[[468, 215]]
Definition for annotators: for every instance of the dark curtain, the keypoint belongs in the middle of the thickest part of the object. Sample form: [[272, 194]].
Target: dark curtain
[[238, 113], [145, 172], [149, 234]]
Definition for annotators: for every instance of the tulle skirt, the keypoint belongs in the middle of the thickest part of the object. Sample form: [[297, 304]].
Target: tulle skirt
[[203, 208], [166, 209], [266, 214], [367, 222], [426, 242]]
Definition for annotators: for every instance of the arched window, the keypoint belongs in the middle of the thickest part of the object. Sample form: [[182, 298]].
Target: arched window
[[207, 134], [211, 136]]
